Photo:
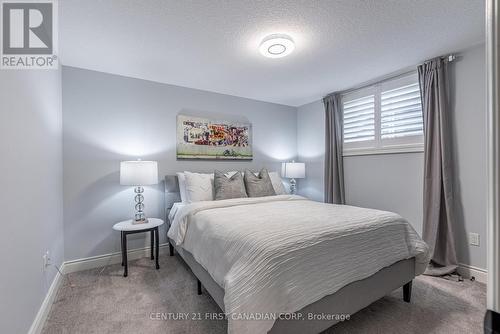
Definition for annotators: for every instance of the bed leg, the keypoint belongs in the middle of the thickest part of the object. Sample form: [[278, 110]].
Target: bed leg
[[171, 249], [199, 287], [407, 292]]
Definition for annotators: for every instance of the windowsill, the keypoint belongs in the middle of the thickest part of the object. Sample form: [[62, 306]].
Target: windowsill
[[384, 150]]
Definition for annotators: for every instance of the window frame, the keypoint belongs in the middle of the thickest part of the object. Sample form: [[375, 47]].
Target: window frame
[[406, 144]]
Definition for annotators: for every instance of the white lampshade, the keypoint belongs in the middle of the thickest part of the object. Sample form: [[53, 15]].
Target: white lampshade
[[293, 170], [138, 173]]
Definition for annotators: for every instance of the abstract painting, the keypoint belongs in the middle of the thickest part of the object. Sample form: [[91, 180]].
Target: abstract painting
[[203, 138]]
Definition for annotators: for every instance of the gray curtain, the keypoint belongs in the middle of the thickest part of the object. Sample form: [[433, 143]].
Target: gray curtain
[[438, 178], [334, 164]]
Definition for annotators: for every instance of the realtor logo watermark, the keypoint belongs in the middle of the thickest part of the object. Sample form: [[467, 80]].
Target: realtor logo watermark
[[29, 35]]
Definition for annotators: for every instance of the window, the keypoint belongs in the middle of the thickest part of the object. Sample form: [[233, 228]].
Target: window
[[359, 119], [384, 118]]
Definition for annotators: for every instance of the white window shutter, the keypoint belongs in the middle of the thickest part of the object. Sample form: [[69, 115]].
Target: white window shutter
[[401, 112], [359, 119], [385, 117]]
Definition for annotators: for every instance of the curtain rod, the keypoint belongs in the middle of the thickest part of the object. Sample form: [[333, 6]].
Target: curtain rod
[[401, 73]]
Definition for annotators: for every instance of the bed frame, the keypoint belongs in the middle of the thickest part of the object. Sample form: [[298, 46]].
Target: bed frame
[[348, 300]]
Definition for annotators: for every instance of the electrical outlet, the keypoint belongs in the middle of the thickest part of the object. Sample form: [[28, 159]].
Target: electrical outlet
[[46, 259], [474, 239]]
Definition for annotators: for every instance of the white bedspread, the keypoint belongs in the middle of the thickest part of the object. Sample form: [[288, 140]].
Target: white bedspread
[[280, 253]]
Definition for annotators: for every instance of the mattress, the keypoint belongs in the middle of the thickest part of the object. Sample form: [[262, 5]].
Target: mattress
[[277, 254]]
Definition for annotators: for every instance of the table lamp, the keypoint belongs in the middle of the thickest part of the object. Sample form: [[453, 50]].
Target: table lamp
[[139, 173], [293, 170]]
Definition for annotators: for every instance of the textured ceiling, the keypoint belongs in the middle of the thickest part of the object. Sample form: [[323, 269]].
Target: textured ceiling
[[213, 44]]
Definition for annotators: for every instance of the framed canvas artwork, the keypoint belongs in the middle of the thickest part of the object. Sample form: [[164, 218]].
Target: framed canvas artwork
[[204, 138]]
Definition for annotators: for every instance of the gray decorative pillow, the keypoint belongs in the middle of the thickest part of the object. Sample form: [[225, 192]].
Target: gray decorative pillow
[[259, 185], [229, 187]]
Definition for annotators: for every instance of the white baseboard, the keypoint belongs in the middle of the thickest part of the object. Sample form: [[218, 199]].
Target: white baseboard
[[79, 265], [467, 271], [43, 312], [107, 259]]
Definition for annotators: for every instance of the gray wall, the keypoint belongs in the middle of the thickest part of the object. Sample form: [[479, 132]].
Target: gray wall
[[31, 193], [109, 118], [311, 149], [468, 82], [394, 181]]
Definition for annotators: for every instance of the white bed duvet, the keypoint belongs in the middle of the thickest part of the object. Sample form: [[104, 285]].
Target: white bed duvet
[[280, 253]]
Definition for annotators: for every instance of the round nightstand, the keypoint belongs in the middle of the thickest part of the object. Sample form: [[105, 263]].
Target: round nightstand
[[127, 227]]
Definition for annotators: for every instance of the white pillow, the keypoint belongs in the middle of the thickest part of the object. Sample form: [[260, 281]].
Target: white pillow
[[279, 189], [230, 174], [199, 187], [182, 186]]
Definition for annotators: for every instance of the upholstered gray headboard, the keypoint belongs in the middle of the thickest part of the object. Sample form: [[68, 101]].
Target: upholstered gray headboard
[[172, 193]]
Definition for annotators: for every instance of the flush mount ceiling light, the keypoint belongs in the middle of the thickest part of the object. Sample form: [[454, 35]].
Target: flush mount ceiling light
[[277, 46]]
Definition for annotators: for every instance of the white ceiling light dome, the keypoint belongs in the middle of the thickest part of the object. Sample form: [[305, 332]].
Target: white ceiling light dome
[[277, 46]]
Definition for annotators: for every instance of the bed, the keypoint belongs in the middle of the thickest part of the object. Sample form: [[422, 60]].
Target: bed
[[284, 264]]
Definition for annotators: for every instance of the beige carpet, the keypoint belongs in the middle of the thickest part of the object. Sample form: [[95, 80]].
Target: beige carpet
[[102, 301]]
